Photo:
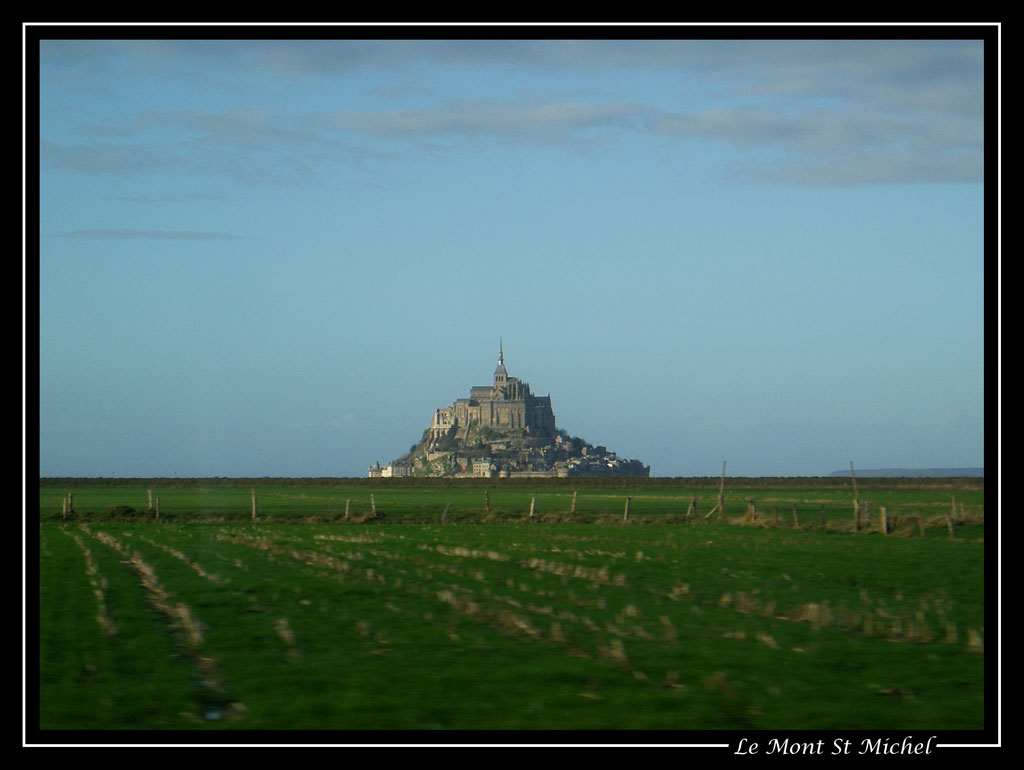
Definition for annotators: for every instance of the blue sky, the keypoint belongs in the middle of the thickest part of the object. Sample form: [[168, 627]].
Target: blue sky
[[278, 257]]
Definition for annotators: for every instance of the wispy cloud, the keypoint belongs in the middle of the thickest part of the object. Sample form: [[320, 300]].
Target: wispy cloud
[[484, 119], [796, 111], [829, 147], [162, 235], [103, 157], [181, 197]]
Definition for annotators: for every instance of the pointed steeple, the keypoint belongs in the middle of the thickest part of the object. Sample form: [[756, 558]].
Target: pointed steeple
[[500, 374]]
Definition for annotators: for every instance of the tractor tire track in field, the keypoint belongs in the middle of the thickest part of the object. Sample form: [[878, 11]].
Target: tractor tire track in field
[[609, 611], [218, 703], [525, 619], [183, 558], [505, 614], [99, 585], [528, 619]]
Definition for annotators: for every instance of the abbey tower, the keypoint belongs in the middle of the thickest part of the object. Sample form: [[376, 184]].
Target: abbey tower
[[507, 405]]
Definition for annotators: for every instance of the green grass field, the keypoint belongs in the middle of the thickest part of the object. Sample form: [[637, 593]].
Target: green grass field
[[207, 620], [497, 501]]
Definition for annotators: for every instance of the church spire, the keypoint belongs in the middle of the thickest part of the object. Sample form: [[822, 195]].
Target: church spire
[[500, 370]]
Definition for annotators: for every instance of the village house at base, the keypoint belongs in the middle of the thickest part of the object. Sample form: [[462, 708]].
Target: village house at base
[[503, 430]]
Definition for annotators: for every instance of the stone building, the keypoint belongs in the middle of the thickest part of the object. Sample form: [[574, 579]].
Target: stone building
[[503, 430], [506, 405], [389, 471]]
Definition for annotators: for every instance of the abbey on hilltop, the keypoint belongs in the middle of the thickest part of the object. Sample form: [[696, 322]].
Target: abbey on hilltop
[[504, 430]]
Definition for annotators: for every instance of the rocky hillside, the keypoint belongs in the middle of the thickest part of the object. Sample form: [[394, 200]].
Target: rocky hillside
[[488, 452]]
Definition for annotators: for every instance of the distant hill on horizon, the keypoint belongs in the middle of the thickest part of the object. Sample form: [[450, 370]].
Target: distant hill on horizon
[[896, 473]]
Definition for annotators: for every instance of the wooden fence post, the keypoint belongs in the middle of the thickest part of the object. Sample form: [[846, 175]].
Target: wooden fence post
[[533, 502], [150, 493], [721, 492], [884, 522], [158, 509], [347, 502], [444, 516], [823, 514], [572, 508], [254, 505], [796, 521], [856, 503], [487, 501], [692, 507], [625, 513], [373, 505]]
